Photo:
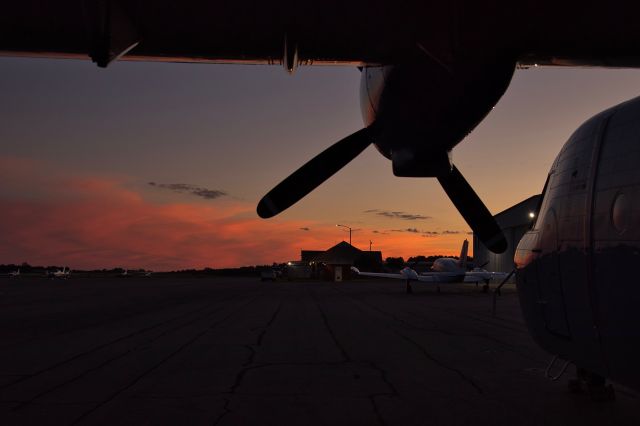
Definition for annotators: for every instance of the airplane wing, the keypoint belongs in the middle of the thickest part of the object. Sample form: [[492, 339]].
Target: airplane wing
[[475, 276], [440, 277], [426, 279], [356, 32], [399, 276], [382, 275]]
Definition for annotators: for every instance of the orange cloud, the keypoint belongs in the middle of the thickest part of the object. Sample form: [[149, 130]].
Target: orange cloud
[[50, 217]]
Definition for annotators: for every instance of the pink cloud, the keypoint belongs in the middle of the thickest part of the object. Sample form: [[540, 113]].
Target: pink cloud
[[49, 216], [95, 222]]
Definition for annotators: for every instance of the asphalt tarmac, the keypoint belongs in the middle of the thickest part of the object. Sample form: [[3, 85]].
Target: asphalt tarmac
[[237, 351]]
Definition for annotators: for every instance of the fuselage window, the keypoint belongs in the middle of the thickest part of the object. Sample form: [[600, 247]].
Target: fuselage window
[[620, 213]]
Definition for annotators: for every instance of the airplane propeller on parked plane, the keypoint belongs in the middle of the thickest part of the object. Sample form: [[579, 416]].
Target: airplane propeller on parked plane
[[320, 168]]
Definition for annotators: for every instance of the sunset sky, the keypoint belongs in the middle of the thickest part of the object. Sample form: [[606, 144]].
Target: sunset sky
[[160, 166]]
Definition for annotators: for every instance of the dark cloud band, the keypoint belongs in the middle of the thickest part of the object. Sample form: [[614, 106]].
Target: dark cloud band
[[397, 215], [185, 188]]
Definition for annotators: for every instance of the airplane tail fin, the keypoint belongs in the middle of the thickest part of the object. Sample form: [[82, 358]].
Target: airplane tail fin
[[463, 254]]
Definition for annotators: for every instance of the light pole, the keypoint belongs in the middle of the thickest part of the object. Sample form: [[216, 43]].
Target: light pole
[[345, 226]]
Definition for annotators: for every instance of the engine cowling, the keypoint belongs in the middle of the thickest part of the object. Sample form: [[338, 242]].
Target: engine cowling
[[420, 111]]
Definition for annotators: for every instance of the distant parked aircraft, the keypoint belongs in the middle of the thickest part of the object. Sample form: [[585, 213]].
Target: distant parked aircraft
[[14, 274], [63, 273], [444, 270], [141, 273]]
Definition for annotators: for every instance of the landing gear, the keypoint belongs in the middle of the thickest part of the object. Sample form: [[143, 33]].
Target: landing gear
[[409, 289], [438, 289], [593, 385]]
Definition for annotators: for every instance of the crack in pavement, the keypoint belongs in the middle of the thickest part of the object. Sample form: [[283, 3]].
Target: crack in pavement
[[508, 346], [437, 329], [347, 359], [252, 355], [269, 323], [97, 324], [233, 390], [106, 344], [433, 359], [247, 363], [463, 376], [325, 321], [162, 362], [128, 351]]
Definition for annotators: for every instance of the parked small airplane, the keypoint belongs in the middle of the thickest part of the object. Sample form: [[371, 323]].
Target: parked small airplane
[[448, 269], [63, 273], [15, 274], [444, 270], [141, 273]]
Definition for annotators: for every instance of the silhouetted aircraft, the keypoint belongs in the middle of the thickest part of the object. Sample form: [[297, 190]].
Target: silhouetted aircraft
[[444, 270], [576, 268], [15, 274]]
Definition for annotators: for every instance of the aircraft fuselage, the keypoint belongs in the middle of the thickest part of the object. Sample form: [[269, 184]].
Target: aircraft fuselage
[[576, 273]]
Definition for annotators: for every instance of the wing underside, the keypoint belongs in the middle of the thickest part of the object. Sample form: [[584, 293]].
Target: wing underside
[[395, 276]]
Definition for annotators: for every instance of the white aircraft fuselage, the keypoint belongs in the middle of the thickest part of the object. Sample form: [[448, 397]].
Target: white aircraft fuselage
[[454, 272]]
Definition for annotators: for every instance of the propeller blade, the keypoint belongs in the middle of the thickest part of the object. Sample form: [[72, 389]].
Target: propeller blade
[[312, 174], [473, 210]]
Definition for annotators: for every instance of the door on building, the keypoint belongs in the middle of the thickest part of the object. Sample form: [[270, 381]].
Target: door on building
[[337, 277]]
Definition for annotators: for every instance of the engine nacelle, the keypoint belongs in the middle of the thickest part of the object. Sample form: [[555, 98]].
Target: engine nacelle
[[422, 110]]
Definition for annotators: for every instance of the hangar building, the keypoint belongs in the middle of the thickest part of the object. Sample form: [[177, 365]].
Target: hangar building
[[514, 221], [335, 263]]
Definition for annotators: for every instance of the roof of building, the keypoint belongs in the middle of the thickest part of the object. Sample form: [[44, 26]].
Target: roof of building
[[310, 255], [342, 253], [518, 214]]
